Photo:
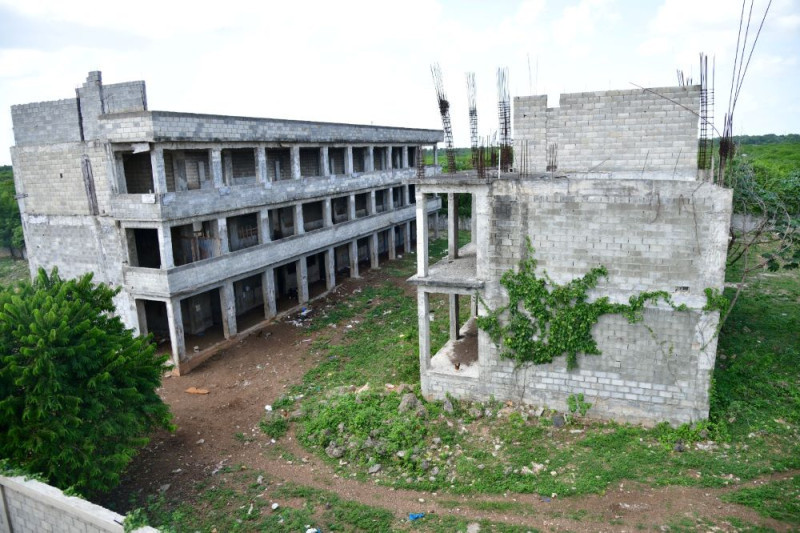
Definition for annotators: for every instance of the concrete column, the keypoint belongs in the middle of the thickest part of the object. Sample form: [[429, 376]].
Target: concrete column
[[391, 243], [373, 251], [407, 237], [406, 199], [298, 219], [330, 268], [348, 160], [165, 247], [390, 200], [222, 233], [141, 318], [327, 213], [371, 206], [481, 215], [302, 280], [435, 155], [424, 323], [176, 336], [452, 226], [179, 170], [354, 259], [351, 207], [159, 174], [261, 166], [422, 240], [263, 226], [227, 168], [325, 162], [369, 163], [405, 156], [435, 224], [216, 167], [453, 316], [268, 288], [228, 302], [295, 162], [388, 154]]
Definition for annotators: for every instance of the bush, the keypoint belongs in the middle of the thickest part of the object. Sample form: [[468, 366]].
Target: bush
[[77, 389]]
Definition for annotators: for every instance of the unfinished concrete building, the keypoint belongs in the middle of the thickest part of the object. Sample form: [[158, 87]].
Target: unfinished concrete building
[[210, 224], [610, 179]]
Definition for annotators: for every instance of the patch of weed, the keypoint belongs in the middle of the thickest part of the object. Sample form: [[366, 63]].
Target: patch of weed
[[778, 499]]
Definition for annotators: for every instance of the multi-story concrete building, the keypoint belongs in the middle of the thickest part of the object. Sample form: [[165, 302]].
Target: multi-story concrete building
[[607, 178], [210, 224]]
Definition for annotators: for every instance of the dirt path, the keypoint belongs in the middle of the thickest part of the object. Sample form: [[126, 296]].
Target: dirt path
[[221, 428]]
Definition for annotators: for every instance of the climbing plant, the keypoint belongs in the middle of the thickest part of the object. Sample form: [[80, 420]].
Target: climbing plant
[[544, 320]]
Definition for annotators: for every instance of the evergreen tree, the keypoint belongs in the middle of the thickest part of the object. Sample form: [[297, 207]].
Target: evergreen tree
[[77, 389]]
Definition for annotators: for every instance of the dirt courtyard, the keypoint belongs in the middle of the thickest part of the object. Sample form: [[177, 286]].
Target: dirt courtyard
[[221, 429]]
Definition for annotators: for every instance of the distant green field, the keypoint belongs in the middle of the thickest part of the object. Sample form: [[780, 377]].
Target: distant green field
[[778, 159]]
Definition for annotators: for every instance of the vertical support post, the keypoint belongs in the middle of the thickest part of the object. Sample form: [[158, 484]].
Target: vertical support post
[[325, 162], [165, 247], [351, 207], [327, 212], [348, 160], [261, 166], [179, 170], [391, 243], [369, 159], [330, 268], [407, 237], [141, 317], [422, 237], [473, 226], [405, 156], [302, 280], [159, 174], [354, 259], [373, 251], [222, 233], [227, 168], [176, 336], [453, 316], [299, 225], [268, 287], [228, 302], [295, 162], [388, 154], [452, 226], [216, 166], [435, 224], [263, 226], [372, 207], [424, 318]]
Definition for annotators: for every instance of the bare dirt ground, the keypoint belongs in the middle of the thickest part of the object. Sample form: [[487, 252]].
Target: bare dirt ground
[[242, 380]]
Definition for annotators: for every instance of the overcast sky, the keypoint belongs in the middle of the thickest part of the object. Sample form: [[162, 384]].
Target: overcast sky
[[369, 61]]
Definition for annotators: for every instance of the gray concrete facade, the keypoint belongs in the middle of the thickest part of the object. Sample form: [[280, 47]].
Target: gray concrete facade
[[210, 224], [653, 230]]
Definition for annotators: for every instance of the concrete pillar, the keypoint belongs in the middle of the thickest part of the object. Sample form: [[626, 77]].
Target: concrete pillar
[[268, 288], [388, 154], [222, 233], [422, 239], [348, 160], [325, 162], [263, 226], [327, 213], [330, 268], [374, 261], [302, 280], [473, 225], [405, 156], [371, 205], [369, 162], [261, 166], [176, 336], [179, 170], [295, 162], [228, 302], [165, 247], [424, 323], [141, 318], [407, 237], [406, 199], [481, 213], [298, 219], [354, 259], [216, 167], [159, 174], [435, 155], [436, 225], [227, 168], [390, 199], [351, 207], [453, 316], [391, 243], [452, 226]]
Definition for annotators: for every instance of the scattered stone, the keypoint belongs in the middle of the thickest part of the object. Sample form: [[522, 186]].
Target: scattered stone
[[437, 441], [525, 471], [164, 488], [401, 454], [448, 406], [679, 446], [275, 506], [424, 465], [333, 451], [539, 412], [409, 402], [364, 388], [558, 421], [481, 467], [260, 480], [296, 414], [195, 390], [475, 413], [177, 471], [421, 412], [374, 469], [704, 434], [268, 408], [435, 471], [473, 527], [488, 413], [201, 441]]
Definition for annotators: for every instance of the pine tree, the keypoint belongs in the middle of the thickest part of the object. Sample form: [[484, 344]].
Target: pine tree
[[77, 389]]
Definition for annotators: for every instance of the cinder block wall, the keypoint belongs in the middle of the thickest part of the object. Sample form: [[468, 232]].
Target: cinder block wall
[[654, 130]]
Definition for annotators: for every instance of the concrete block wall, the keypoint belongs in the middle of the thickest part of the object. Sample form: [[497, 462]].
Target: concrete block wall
[[46, 122], [30, 506], [653, 130]]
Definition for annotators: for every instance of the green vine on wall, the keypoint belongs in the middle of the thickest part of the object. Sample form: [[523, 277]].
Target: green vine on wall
[[544, 320]]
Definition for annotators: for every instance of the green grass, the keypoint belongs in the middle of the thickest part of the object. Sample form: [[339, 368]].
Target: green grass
[[13, 270], [779, 499]]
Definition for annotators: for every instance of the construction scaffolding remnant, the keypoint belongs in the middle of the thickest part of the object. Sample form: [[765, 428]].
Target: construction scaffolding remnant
[[473, 117], [706, 147], [504, 117]]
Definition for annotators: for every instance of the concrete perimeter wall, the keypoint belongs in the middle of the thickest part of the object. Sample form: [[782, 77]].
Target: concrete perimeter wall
[[30, 506], [651, 235], [652, 130]]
